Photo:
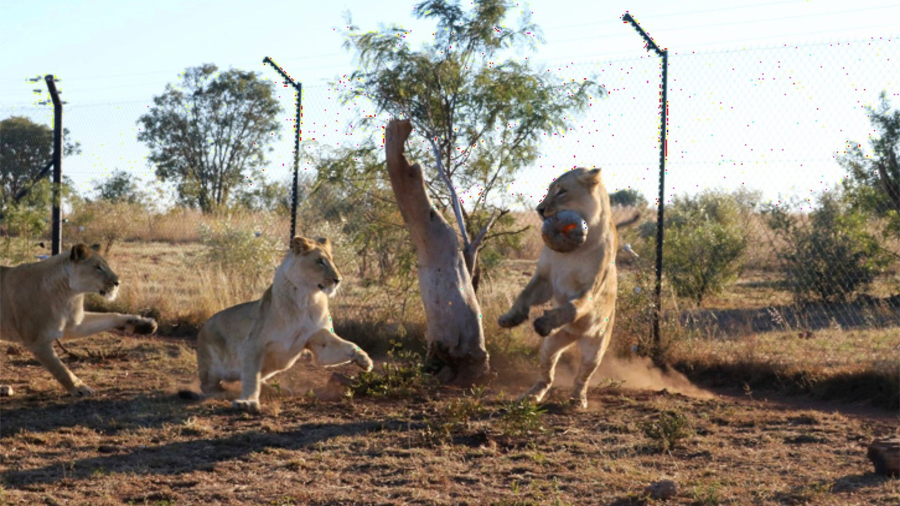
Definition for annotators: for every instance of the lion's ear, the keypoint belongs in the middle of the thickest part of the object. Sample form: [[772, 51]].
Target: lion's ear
[[301, 245], [591, 177], [325, 243], [80, 252]]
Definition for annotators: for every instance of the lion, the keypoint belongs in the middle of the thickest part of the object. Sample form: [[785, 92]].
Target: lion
[[581, 284], [44, 301], [253, 341]]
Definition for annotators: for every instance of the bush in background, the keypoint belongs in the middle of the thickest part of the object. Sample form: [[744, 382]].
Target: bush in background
[[705, 241], [828, 255]]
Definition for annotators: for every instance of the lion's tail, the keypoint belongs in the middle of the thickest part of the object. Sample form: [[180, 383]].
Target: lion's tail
[[627, 222]]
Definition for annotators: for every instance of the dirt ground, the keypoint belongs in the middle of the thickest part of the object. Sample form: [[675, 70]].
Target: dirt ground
[[136, 442]]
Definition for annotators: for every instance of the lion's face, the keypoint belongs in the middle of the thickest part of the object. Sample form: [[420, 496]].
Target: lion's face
[[91, 274], [578, 190], [313, 264]]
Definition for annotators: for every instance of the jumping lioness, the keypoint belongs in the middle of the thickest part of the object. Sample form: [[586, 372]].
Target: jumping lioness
[[43, 301], [581, 284], [253, 341]]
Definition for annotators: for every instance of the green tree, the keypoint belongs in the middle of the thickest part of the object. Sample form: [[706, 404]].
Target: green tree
[[210, 133], [260, 194], [873, 184], [627, 198], [26, 148], [486, 115], [120, 186]]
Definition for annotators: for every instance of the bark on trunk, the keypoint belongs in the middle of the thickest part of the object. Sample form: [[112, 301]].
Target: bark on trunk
[[456, 348]]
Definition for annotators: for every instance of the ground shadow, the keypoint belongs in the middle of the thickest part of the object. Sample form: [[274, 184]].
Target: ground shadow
[[864, 312], [195, 455], [102, 414]]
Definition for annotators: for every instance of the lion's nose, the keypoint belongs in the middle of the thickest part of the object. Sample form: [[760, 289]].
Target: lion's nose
[[540, 210], [337, 281], [116, 282]]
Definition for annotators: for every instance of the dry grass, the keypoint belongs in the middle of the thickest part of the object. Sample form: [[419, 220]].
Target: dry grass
[[136, 443]]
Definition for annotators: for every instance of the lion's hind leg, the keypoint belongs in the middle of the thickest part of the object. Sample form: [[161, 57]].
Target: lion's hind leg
[[551, 349], [329, 349], [592, 351]]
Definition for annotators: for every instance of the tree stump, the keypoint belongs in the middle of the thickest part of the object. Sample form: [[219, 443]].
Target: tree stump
[[885, 454]]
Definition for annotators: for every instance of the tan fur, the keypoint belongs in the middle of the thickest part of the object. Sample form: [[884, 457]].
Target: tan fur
[[43, 301], [580, 284], [253, 341]]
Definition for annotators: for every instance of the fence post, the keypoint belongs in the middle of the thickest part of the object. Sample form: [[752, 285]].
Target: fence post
[[298, 88], [664, 109], [55, 215]]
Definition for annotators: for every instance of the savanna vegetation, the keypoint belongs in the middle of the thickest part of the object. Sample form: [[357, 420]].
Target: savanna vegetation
[[759, 300]]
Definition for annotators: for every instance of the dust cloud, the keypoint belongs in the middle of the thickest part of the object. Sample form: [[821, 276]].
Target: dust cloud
[[641, 374]]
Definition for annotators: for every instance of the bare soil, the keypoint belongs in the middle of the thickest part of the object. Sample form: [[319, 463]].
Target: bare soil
[[136, 442]]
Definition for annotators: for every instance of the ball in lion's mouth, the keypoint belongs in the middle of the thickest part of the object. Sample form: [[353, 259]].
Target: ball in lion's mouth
[[565, 231]]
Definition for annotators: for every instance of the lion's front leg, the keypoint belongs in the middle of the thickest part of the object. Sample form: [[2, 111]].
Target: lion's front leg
[[537, 291], [563, 315], [252, 358], [94, 323], [329, 349], [46, 355]]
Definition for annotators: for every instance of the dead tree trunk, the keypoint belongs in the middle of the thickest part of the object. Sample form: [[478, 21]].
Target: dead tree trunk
[[456, 350]]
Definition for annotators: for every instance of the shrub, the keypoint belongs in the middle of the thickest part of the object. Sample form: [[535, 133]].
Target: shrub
[[104, 222], [668, 430], [521, 418], [829, 254], [237, 249], [704, 243]]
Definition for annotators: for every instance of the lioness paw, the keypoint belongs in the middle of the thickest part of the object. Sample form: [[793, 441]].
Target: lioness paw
[[543, 326], [246, 405], [140, 325], [579, 401], [81, 391], [511, 319], [363, 361]]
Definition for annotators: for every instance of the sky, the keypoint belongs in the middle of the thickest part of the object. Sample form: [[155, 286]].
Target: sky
[[113, 57]]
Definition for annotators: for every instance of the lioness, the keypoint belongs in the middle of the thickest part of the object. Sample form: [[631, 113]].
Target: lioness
[[43, 301], [581, 284], [253, 341]]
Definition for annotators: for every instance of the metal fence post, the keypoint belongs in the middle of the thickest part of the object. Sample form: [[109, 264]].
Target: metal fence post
[[664, 109], [55, 215], [298, 87]]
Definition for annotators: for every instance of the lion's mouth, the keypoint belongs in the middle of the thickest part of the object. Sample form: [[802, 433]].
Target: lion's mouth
[[109, 293]]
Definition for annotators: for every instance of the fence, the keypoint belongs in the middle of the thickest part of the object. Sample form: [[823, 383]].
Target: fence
[[762, 258]]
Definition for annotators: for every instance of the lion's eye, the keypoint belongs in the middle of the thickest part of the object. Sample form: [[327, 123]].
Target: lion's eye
[[320, 261], [99, 268], [561, 193]]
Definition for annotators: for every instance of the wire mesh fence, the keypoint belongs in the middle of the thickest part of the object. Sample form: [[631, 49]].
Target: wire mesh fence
[[775, 242]]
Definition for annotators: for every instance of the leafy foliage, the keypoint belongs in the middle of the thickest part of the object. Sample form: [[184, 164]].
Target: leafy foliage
[[487, 115], [521, 418], [704, 243], [628, 198], [668, 430], [210, 133], [235, 250], [403, 376], [26, 147], [873, 184], [829, 254], [121, 186]]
